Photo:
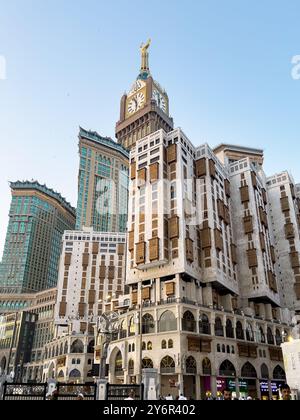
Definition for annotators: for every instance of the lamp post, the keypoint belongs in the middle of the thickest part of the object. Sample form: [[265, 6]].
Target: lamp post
[[107, 326]]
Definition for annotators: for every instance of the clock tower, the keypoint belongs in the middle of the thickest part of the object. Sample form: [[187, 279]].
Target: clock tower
[[145, 108]]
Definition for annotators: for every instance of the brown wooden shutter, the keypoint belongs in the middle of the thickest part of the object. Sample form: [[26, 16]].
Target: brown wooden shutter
[[146, 293], [263, 217], [95, 250], [111, 273], [142, 176], [293, 191], [133, 171], [92, 297], [83, 327], [174, 227], [62, 308], [262, 242], [248, 224], [264, 196], [131, 241], [81, 309], [134, 298], [218, 240], [285, 206], [273, 256], [201, 168], [227, 188], [244, 194], [294, 256], [85, 259], [102, 273], [121, 249], [170, 289], [154, 172], [221, 210], [289, 231], [68, 258], [254, 179], [252, 258], [154, 249], [206, 238], [233, 254], [212, 168], [226, 215], [189, 244], [172, 153], [140, 253]]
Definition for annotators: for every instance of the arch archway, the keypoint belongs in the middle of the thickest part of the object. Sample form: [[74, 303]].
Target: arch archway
[[227, 369], [239, 331], [75, 375], [167, 322], [147, 363], [229, 329], [191, 365], [206, 366], [219, 331], [77, 347], [188, 322], [279, 373], [167, 365], [248, 371], [148, 324], [91, 347], [204, 325]]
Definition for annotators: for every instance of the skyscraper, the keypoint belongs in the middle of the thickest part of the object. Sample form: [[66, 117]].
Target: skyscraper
[[37, 219], [102, 184], [145, 108]]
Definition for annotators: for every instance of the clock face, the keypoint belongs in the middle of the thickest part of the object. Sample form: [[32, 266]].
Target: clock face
[[138, 84], [136, 103], [160, 100]]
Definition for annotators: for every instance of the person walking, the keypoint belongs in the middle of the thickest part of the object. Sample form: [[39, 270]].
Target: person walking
[[285, 392], [227, 394]]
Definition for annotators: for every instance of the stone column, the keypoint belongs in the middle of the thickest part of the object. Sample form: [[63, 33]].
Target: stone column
[[214, 389], [181, 384], [270, 390], [151, 384], [101, 389], [258, 389], [198, 388], [237, 387]]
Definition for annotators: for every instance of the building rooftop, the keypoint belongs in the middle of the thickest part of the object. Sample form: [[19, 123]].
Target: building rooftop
[[35, 185], [237, 148], [104, 141]]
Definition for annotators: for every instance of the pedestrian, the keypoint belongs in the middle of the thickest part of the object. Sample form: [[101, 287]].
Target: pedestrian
[[227, 394], [131, 396], [285, 392], [80, 397], [182, 398], [169, 397]]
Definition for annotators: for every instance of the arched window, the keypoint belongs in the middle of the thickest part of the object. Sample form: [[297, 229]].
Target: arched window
[[261, 335], [46, 353], [228, 349], [61, 375], [191, 365], [279, 374], [270, 336], [131, 367], [77, 347], [170, 344], [164, 344], [144, 346], [227, 369], [56, 351], [133, 347], [264, 371], [129, 348], [147, 363], [219, 331], [204, 325], [73, 361], [167, 365], [232, 350], [239, 331], [219, 348], [131, 328], [278, 338], [148, 324], [149, 346], [248, 371], [61, 349], [229, 329], [66, 348], [119, 364], [206, 366], [75, 373], [91, 347], [188, 322], [223, 348], [249, 332], [167, 322]]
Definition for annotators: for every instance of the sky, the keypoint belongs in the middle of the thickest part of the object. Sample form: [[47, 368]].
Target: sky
[[226, 65]]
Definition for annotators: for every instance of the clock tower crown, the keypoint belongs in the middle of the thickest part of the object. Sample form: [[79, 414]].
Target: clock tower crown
[[145, 108]]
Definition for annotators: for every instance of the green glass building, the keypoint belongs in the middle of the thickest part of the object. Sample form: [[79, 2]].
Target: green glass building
[[38, 218], [102, 184]]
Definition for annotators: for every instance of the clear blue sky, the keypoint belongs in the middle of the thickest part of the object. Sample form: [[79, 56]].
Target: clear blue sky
[[225, 64]]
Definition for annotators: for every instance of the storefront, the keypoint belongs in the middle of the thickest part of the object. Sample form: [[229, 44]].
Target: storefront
[[206, 388]]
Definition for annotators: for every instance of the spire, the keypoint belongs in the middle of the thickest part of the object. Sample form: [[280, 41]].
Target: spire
[[145, 70]]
